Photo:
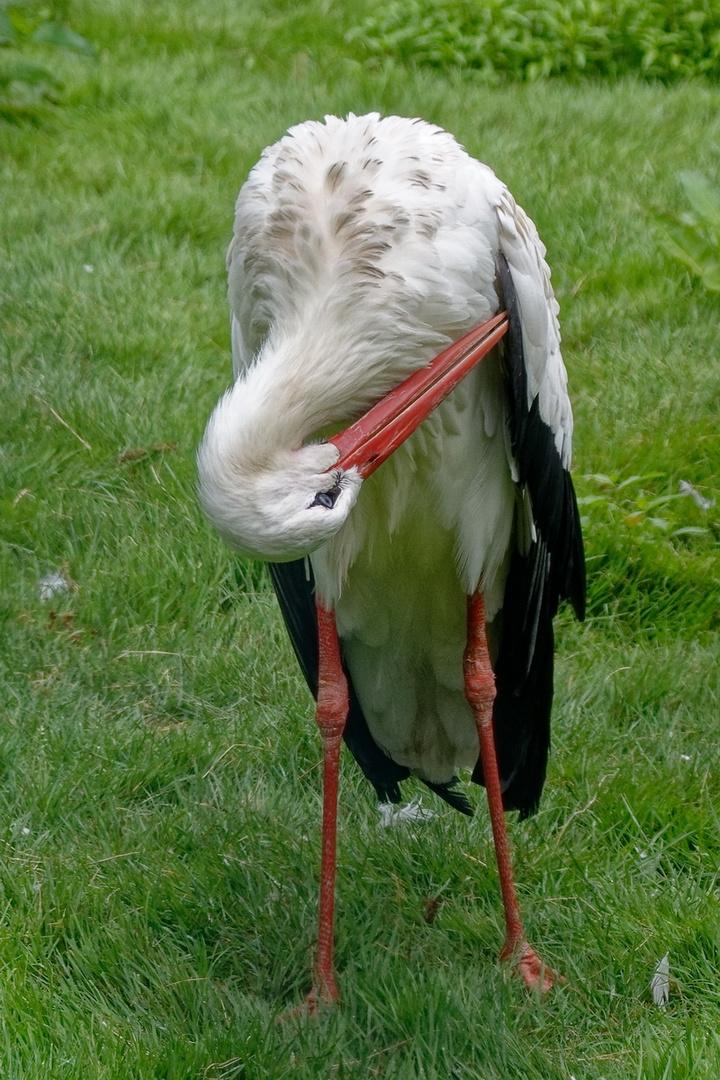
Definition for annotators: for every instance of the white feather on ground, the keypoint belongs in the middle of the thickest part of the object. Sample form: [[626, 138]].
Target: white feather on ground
[[660, 982]]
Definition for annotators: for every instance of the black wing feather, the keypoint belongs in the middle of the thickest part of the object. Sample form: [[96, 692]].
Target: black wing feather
[[553, 569]]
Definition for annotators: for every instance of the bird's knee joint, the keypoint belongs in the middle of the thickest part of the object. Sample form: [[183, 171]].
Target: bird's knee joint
[[480, 691], [332, 709]]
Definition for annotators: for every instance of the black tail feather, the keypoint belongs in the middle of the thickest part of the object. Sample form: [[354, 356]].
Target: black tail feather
[[457, 799]]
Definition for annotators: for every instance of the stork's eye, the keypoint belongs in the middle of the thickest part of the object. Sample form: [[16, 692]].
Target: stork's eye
[[327, 498]]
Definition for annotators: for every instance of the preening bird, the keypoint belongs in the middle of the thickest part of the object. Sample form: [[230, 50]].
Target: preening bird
[[418, 556]]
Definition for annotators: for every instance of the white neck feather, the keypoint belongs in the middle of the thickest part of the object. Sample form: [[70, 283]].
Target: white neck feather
[[258, 479]]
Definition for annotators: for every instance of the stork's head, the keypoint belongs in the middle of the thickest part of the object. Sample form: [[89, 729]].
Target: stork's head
[[268, 501], [278, 504]]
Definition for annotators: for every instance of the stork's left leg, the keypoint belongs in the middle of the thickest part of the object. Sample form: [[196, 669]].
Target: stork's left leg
[[480, 692]]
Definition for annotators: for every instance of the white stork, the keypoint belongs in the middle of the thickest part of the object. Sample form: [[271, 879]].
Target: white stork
[[420, 598]]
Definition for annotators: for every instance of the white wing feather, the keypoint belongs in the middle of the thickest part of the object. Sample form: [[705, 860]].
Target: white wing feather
[[546, 374]]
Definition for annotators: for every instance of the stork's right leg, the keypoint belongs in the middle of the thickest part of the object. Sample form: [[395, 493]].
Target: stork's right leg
[[330, 715]]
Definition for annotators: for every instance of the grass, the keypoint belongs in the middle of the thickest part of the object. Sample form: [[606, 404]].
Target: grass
[[160, 794]]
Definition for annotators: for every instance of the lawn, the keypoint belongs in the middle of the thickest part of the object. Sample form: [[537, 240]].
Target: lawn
[[160, 795]]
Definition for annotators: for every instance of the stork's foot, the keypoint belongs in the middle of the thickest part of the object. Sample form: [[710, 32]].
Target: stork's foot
[[323, 995], [534, 973]]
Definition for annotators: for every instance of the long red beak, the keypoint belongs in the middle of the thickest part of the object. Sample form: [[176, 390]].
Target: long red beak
[[373, 438]]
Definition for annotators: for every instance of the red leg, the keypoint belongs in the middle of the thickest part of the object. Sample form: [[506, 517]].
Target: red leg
[[330, 715], [480, 692]]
